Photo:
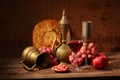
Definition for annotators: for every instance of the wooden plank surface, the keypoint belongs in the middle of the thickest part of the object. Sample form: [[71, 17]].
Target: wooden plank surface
[[11, 69]]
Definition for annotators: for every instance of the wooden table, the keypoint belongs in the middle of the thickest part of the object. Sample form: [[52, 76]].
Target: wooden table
[[11, 69]]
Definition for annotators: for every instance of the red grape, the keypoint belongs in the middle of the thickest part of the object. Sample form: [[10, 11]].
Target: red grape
[[48, 49], [83, 56], [83, 49], [80, 60], [74, 62], [89, 56], [90, 45], [42, 50], [71, 58], [93, 50], [79, 53], [88, 51]]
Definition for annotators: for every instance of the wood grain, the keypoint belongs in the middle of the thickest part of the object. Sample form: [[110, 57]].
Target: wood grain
[[11, 69]]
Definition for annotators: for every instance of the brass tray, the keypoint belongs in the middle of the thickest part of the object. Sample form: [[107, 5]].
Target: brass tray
[[42, 37]]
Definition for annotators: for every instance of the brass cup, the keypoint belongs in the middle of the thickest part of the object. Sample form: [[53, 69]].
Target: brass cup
[[33, 58]]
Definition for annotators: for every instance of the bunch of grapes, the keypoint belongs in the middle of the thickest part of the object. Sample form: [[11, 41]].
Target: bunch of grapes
[[54, 60], [81, 55]]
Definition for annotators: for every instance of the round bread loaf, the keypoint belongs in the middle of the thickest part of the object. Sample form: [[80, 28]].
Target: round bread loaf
[[43, 34]]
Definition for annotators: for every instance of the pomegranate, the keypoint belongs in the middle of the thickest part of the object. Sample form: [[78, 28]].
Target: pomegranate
[[60, 68], [100, 61]]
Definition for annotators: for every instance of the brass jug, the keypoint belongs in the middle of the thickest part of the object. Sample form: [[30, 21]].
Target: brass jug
[[63, 50], [32, 58]]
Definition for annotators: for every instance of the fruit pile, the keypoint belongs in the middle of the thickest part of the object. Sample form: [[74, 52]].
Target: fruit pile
[[98, 60], [55, 66], [53, 60]]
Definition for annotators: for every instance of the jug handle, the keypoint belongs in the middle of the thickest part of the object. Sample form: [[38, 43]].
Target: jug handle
[[26, 67], [54, 41]]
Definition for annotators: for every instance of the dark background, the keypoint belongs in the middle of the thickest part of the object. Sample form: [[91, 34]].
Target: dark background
[[18, 18]]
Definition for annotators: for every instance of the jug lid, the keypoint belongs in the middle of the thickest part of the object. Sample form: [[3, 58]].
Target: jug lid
[[64, 19]]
